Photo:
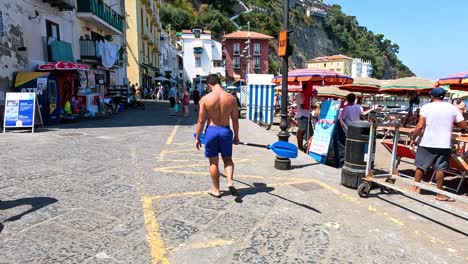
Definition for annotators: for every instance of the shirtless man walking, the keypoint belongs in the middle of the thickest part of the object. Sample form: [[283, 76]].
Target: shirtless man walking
[[216, 108]]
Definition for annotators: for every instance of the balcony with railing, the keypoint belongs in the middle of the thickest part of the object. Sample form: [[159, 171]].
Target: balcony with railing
[[100, 14], [62, 5], [56, 50]]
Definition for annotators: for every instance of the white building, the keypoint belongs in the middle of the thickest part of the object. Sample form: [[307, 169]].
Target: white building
[[201, 55], [361, 68], [169, 61]]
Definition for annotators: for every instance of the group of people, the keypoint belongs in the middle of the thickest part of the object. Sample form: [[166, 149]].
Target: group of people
[[179, 95]]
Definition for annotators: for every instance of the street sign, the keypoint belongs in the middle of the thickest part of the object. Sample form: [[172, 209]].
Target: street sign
[[283, 43], [19, 110]]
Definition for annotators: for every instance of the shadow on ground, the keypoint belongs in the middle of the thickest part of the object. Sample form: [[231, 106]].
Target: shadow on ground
[[36, 203], [255, 188]]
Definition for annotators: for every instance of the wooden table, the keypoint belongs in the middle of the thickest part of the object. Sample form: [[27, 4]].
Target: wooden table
[[402, 130]]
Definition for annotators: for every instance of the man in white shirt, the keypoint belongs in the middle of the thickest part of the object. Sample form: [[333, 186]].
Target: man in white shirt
[[302, 117], [436, 120], [351, 112]]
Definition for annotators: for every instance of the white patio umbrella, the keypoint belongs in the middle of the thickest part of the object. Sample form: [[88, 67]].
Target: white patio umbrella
[[161, 79]]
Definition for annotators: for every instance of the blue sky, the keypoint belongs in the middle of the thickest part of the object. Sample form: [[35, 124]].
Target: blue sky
[[432, 34]]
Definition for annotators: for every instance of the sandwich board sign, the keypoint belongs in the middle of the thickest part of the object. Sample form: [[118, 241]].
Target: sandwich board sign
[[324, 130], [20, 110]]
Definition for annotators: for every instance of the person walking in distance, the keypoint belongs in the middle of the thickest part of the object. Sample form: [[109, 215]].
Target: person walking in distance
[[196, 98], [217, 107], [186, 102], [435, 123], [172, 99]]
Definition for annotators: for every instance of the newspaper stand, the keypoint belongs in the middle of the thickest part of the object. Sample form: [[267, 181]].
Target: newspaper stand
[[387, 181]]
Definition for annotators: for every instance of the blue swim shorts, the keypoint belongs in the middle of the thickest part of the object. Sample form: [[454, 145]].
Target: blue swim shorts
[[218, 139]]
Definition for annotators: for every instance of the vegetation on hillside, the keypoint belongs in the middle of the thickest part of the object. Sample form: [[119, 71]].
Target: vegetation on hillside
[[354, 40], [358, 42], [181, 14]]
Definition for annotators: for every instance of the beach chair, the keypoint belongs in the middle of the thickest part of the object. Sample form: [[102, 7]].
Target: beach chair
[[403, 151], [458, 168]]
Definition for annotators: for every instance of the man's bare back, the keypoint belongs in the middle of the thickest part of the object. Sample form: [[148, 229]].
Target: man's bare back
[[219, 106]]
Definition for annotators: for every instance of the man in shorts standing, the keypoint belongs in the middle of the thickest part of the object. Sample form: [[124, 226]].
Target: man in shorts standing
[[216, 107], [436, 120], [302, 117], [172, 99]]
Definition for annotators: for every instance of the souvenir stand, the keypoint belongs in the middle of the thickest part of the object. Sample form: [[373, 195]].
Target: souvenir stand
[[72, 80]]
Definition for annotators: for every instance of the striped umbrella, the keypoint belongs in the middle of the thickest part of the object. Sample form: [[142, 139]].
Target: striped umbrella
[[457, 81], [314, 77], [363, 85], [406, 85]]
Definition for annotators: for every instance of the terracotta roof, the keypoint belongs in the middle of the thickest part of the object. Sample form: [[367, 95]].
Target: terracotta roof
[[330, 58], [189, 31], [244, 35]]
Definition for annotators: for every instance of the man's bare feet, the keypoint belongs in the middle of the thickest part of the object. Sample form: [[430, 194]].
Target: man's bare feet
[[443, 198], [415, 189]]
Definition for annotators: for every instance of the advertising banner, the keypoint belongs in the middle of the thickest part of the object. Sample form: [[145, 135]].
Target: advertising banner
[[324, 130], [19, 110]]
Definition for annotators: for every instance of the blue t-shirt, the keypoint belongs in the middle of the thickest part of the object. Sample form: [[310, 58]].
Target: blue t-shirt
[[172, 92]]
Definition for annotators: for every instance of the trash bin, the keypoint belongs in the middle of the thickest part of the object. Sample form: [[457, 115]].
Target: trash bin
[[357, 141]]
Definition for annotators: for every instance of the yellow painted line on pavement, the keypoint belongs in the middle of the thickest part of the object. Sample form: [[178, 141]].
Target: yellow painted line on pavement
[[151, 223], [152, 232], [387, 216], [204, 173], [194, 165], [213, 243], [201, 245], [173, 133]]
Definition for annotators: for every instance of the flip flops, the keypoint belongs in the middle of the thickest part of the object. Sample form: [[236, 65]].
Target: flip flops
[[233, 191], [444, 198], [214, 195]]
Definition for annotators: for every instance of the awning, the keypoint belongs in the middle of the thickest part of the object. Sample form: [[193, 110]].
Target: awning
[[62, 66], [24, 77]]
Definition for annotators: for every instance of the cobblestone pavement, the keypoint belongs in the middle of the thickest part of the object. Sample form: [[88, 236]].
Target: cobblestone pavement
[[132, 189]]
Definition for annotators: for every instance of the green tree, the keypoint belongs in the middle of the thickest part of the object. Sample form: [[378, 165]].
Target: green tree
[[179, 18]]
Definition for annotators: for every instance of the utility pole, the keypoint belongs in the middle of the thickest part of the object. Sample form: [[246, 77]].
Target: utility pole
[[285, 51]]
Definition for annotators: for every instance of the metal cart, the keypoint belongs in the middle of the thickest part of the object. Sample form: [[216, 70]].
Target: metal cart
[[387, 181]]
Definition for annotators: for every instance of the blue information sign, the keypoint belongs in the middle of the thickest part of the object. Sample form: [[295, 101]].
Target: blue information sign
[[19, 109], [324, 129]]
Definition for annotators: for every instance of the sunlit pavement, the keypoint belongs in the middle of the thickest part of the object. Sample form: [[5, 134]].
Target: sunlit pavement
[[132, 188]]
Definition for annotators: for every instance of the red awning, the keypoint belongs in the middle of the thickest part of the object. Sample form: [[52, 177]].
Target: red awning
[[62, 66]]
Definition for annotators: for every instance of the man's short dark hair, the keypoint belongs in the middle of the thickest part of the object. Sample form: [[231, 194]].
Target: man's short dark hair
[[213, 79], [351, 98]]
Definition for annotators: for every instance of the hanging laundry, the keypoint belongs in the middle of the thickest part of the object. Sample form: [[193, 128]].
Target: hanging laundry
[[109, 55]]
